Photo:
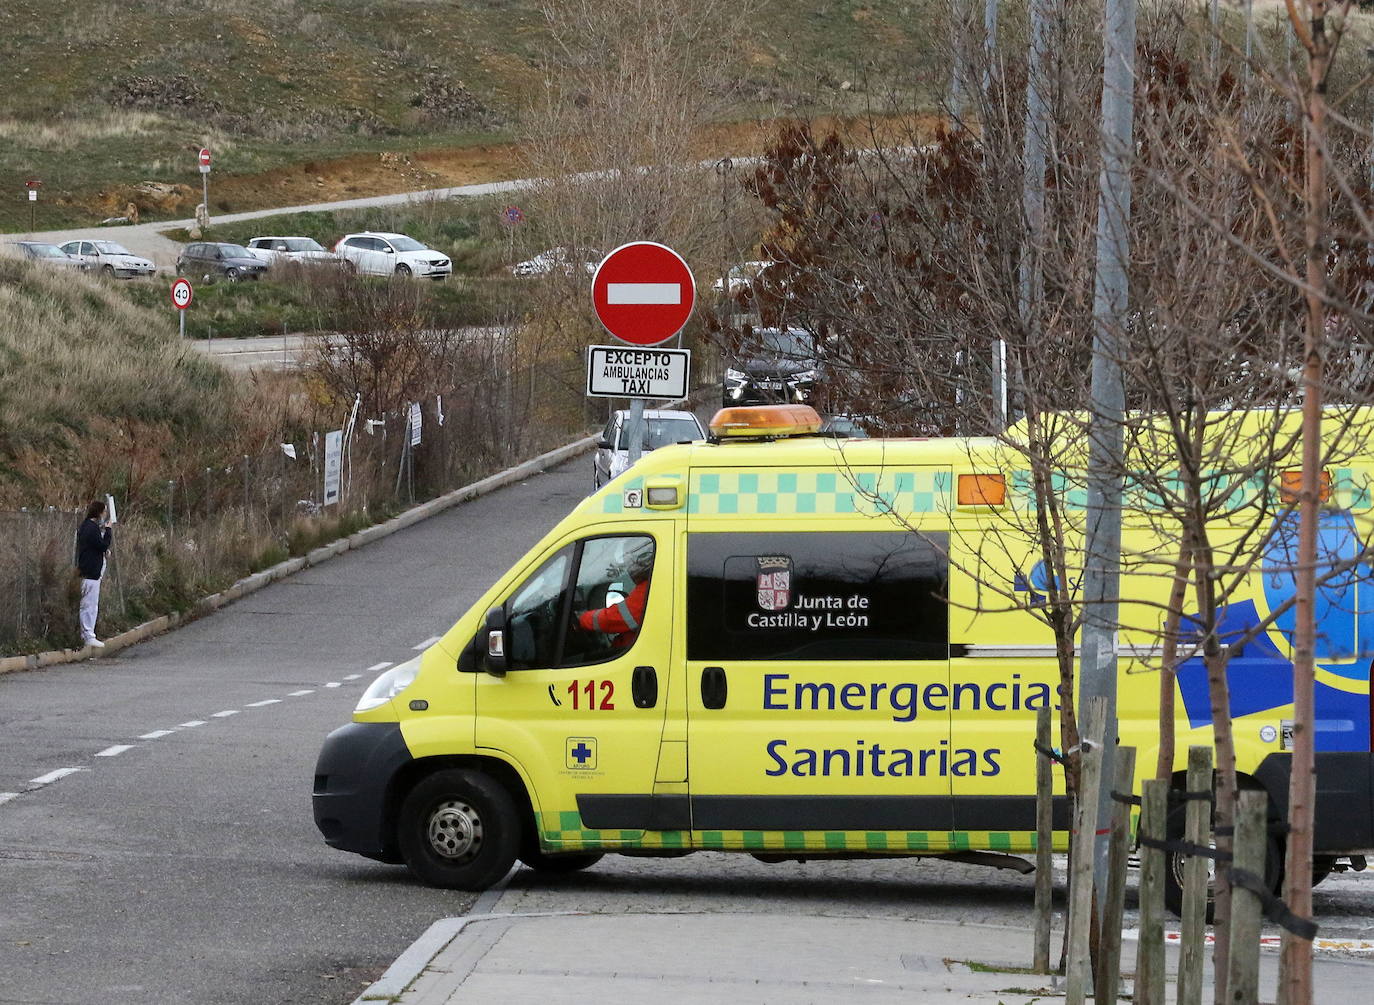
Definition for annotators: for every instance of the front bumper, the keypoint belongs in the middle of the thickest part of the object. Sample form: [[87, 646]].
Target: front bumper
[[766, 392], [1344, 816], [354, 771]]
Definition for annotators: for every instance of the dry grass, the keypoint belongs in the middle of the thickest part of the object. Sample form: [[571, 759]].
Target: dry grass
[[88, 381], [62, 134]]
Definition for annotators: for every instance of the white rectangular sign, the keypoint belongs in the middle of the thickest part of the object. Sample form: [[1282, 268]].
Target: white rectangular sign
[[415, 421], [618, 371], [643, 293], [333, 465]]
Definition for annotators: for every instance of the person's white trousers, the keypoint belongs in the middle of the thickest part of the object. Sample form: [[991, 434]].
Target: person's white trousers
[[90, 607]]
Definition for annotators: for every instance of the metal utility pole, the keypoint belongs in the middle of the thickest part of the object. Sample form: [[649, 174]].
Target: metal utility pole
[[1102, 561], [1033, 164], [958, 82], [989, 47]]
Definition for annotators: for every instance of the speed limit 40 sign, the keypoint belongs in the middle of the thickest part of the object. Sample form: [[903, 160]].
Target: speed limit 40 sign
[[181, 294]]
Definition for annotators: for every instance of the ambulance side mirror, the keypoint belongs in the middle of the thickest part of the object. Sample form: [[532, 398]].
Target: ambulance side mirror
[[495, 635]]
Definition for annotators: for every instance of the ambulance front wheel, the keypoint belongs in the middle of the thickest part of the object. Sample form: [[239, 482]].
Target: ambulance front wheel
[[558, 864], [459, 829]]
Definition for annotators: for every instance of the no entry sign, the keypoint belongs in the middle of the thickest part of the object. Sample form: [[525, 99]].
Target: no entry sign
[[643, 293]]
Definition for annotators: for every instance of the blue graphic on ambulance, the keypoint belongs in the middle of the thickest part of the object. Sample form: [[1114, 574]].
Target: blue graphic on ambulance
[[1261, 677]]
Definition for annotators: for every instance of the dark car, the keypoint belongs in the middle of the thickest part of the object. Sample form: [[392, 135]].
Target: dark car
[[209, 259], [773, 365]]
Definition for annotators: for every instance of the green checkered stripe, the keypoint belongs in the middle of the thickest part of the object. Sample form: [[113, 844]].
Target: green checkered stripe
[[565, 831], [819, 493], [1350, 490]]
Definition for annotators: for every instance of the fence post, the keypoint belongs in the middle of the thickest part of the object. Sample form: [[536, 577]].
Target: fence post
[[1149, 956], [171, 496], [1248, 853], [1044, 842], [1108, 977], [1079, 979], [1193, 930], [247, 506]]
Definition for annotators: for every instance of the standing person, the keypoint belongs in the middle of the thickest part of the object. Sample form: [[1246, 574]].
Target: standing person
[[93, 540]]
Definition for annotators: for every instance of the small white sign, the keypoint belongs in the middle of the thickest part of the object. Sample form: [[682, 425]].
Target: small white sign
[[110, 515], [628, 372], [333, 465], [33, 195], [415, 419]]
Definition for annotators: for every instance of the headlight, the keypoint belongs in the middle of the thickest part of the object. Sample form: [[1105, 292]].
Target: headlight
[[736, 376], [389, 685]]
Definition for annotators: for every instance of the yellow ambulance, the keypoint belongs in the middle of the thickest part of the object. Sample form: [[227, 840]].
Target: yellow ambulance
[[771, 643]]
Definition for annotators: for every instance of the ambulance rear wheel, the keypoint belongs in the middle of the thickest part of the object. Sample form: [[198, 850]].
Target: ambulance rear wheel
[[459, 829], [559, 864]]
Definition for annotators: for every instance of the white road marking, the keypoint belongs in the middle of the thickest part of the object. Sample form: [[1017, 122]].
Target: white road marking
[[156, 734], [116, 750], [192, 724], [643, 293], [297, 694], [353, 676], [333, 683], [378, 666], [225, 714], [268, 701], [426, 643], [7, 796], [53, 776]]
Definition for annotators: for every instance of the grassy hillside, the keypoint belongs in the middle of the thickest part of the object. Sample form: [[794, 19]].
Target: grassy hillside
[[115, 98], [91, 385]]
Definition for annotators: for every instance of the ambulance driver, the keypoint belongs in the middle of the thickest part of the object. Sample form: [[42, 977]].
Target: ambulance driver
[[621, 620]]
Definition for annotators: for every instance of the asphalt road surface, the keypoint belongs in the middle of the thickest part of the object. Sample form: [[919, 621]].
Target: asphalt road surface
[[161, 847]]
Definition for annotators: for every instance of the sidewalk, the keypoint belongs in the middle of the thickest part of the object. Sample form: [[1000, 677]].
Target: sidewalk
[[613, 958]]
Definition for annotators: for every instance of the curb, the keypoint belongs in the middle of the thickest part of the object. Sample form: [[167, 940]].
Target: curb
[[250, 584]]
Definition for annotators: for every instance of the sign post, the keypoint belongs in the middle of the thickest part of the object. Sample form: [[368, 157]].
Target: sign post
[[33, 185], [643, 293], [333, 465], [181, 299], [204, 158]]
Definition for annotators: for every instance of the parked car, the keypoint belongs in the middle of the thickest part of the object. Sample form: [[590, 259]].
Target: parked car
[[568, 261], [773, 365], [46, 254], [302, 250], [852, 427], [374, 253], [109, 258], [661, 427], [211, 259], [741, 277]]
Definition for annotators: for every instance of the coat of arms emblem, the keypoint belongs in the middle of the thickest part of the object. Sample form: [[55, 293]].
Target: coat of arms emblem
[[774, 582]]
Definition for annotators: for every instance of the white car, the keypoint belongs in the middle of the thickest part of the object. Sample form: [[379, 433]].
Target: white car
[[741, 276], [661, 428], [109, 258], [303, 250], [48, 255], [376, 253], [568, 261]]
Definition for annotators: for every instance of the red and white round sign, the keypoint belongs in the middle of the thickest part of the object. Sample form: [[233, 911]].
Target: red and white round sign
[[205, 157], [643, 293], [181, 294]]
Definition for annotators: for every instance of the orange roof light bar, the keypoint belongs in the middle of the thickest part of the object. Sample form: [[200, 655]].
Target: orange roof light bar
[[1290, 486], [765, 420], [982, 490]]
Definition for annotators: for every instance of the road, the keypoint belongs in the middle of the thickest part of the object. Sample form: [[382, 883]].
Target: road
[[286, 352], [161, 848]]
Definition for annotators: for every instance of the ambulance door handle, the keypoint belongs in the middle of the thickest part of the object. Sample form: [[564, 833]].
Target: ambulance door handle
[[644, 687], [713, 687]]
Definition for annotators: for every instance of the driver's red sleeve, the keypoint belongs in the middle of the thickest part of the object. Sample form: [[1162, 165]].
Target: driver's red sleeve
[[620, 618]]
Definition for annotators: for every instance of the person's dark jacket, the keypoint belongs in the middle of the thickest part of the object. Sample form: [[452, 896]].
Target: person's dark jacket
[[92, 541]]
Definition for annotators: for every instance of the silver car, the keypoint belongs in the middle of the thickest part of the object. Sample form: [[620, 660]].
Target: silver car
[[661, 428], [109, 258], [302, 250], [46, 254]]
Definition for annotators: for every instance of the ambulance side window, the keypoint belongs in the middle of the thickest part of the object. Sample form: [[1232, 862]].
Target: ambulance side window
[[859, 595], [609, 602], [535, 612]]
